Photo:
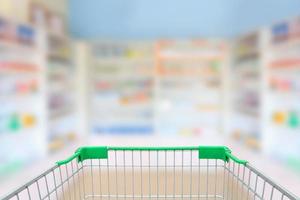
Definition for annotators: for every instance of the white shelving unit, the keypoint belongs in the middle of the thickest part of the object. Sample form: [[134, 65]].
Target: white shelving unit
[[141, 88], [81, 58], [37, 93], [61, 91], [22, 88], [247, 88], [265, 87], [189, 87], [282, 121], [121, 87]]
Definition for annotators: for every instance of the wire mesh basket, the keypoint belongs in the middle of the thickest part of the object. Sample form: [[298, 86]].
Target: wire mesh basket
[[152, 173]]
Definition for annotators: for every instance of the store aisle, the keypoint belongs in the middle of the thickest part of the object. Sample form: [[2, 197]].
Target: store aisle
[[149, 73]]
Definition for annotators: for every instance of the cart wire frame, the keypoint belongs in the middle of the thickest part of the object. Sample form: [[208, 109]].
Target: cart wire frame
[[151, 173]]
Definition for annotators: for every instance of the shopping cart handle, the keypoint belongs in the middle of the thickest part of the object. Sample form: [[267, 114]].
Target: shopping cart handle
[[204, 152], [218, 152]]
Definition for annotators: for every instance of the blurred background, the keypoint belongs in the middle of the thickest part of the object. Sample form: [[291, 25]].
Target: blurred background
[[135, 72]]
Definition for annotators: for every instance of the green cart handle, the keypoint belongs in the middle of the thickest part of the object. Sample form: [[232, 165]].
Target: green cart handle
[[205, 152]]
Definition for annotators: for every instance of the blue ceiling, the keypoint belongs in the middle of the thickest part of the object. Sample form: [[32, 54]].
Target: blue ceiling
[[149, 19]]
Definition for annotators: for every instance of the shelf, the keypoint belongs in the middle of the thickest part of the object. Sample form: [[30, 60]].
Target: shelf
[[247, 111], [122, 77], [284, 94], [123, 60], [19, 97], [59, 113], [288, 44], [15, 47], [286, 63], [192, 72], [178, 57], [18, 68], [208, 107]]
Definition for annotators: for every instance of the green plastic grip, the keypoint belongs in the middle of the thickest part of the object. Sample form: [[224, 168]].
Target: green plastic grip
[[101, 152], [92, 153], [218, 152]]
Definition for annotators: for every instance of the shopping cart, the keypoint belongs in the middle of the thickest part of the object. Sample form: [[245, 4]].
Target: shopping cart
[[152, 173]]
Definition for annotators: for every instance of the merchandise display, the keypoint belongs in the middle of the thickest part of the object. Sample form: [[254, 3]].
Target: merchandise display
[[21, 86], [137, 88], [61, 94], [121, 93], [246, 96], [37, 94], [283, 124], [185, 71]]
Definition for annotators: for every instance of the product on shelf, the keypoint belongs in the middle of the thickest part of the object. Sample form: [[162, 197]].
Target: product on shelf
[[28, 120], [13, 33], [14, 123], [279, 118], [293, 120]]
